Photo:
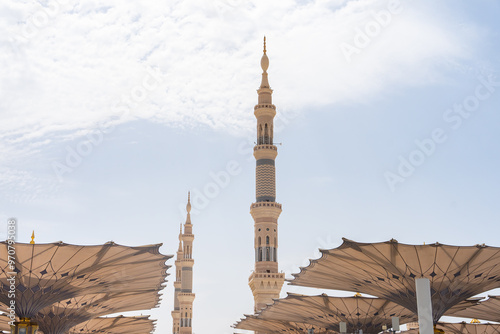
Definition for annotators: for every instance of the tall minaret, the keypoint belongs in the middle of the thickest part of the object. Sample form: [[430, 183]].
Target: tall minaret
[[265, 281], [186, 295], [176, 314]]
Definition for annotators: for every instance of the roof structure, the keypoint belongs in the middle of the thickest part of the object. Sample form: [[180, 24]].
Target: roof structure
[[50, 273], [103, 325], [464, 328], [365, 313], [253, 323], [116, 325], [60, 317], [4, 323], [488, 309], [388, 270]]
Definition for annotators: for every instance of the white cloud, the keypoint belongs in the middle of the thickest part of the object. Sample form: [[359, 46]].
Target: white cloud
[[86, 58]]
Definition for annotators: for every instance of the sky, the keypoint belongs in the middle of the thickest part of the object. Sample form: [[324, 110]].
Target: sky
[[387, 124]]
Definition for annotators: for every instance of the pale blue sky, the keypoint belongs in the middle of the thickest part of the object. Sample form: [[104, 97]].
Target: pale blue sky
[[345, 123]]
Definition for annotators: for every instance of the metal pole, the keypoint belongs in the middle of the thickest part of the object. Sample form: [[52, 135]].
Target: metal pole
[[343, 327], [424, 306], [395, 324]]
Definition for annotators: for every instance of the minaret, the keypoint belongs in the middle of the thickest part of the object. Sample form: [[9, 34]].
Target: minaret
[[265, 281], [186, 295], [176, 314]]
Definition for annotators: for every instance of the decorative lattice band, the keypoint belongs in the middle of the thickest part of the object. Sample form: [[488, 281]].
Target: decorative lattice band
[[265, 162], [265, 182]]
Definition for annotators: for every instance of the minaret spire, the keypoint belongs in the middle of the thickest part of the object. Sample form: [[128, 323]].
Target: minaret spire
[[264, 64], [266, 281], [188, 208], [180, 239]]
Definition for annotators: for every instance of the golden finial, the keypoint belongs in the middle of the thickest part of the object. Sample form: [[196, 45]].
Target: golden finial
[[357, 294], [32, 238], [264, 44], [438, 330], [475, 321]]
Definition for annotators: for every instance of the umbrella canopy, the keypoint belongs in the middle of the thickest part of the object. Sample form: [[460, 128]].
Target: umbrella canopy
[[253, 323], [388, 270], [464, 328], [116, 325], [359, 313], [60, 317], [46, 274], [488, 309]]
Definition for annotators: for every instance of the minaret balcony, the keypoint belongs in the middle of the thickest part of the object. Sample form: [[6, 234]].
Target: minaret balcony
[[265, 147], [262, 106], [262, 110], [265, 151], [186, 262], [188, 237], [265, 210], [278, 276], [265, 204], [186, 297]]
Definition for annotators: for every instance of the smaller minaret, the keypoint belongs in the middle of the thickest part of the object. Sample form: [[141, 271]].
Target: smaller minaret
[[176, 313], [186, 295]]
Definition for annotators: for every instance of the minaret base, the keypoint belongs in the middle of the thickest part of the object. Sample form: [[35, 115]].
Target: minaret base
[[265, 287]]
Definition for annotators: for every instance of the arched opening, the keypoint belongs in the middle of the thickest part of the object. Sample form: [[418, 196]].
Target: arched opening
[[267, 240], [260, 139]]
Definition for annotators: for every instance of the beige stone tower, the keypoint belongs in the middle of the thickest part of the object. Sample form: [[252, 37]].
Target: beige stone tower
[[265, 281], [176, 314], [184, 296]]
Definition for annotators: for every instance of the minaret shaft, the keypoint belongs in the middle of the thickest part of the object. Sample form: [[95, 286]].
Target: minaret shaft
[[184, 296], [265, 281]]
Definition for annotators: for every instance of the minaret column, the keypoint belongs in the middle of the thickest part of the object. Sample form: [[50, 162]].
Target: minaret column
[[186, 295], [265, 281]]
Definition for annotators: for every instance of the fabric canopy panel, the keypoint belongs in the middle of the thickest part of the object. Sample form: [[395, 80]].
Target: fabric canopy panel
[[50, 273], [469, 302], [111, 325], [486, 310], [60, 317], [464, 328], [252, 323], [359, 313], [116, 325], [4, 323], [388, 270]]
